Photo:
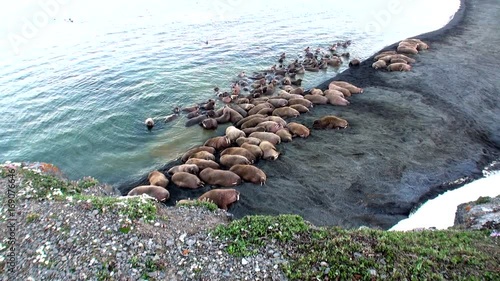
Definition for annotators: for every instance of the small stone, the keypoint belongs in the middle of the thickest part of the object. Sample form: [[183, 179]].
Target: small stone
[[323, 264], [182, 237], [244, 261], [373, 272], [157, 224], [190, 242]]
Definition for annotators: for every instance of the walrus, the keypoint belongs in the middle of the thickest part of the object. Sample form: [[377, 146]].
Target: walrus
[[344, 91], [191, 109], [265, 111], [233, 133], [221, 197], [405, 49], [253, 122], [330, 122], [354, 63], [188, 168], [286, 112], [302, 101], [193, 114], [193, 150], [196, 120], [171, 117], [383, 54], [150, 123], [421, 45], [158, 192], [270, 126], [223, 178], [249, 173], [186, 180], [239, 109], [246, 107], [253, 148], [269, 151], [334, 99], [203, 164], [297, 129], [315, 91], [300, 108], [258, 107], [209, 105], [396, 60], [252, 140], [224, 117], [279, 102], [218, 143], [241, 100], [297, 91], [278, 120], [229, 160], [284, 134], [350, 87], [399, 67], [250, 130], [379, 64], [334, 92], [234, 116], [209, 124], [157, 178], [239, 151], [267, 136], [316, 99], [388, 58], [203, 155]]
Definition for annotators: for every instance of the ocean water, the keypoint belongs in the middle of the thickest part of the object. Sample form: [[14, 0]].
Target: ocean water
[[78, 78]]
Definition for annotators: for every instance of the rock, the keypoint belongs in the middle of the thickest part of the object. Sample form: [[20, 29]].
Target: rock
[[244, 261], [483, 213]]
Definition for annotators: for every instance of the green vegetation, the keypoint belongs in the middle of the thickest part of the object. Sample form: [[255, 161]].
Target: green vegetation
[[338, 254], [133, 208], [483, 200], [197, 203], [250, 233], [31, 217]]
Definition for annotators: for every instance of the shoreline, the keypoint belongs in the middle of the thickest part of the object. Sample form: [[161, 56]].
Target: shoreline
[[373, 183]]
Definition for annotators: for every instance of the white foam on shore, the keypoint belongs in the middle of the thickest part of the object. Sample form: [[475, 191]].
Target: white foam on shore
[[440, 211]]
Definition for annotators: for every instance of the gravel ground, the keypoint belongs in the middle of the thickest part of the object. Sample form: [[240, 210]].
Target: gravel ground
[[70, 240]]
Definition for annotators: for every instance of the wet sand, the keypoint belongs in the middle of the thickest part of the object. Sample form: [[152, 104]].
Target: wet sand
[[410, 134]]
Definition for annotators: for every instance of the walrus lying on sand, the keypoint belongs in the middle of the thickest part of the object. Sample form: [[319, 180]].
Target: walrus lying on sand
[[330, 122]]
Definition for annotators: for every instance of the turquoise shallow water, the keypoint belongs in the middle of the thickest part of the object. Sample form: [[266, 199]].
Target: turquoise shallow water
[[76, 93]]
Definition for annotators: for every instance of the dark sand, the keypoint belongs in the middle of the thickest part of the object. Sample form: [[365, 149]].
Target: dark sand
[[410, 134]]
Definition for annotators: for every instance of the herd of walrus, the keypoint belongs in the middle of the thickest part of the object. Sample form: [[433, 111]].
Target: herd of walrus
[[258, 107]]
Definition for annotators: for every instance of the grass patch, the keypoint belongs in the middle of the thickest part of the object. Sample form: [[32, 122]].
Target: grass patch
[[197, 203], [31, 217], [133, 208], [250, 233], [483, 200]]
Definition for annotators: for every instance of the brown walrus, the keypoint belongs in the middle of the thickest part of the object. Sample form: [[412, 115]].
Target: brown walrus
[[315, 91], [158, 192], [334, 92], [223, 178], [202, 164], [330, 122], [258, 107], [383, 54], [239, 151], [249, 117], [193, 150], [203, 155], [379, 64], [297, 91], [302, 101], [354, 63], [221, 197], [388, 58], [316, 99], [405, 49], [270, 126], [157, 178], [278, 102], [297, 129], [300, 108], [253, 122], [399, 67], [253, 148], [284, 134], [186, 180], [344, 91], [269, 151], [249, 173], [188, 168], [286, 112], [249, 140], [250, 130], [246, 106], [334, 99], [267, 136], [218, 143], [350, 87], [229, 160], [209, 124]]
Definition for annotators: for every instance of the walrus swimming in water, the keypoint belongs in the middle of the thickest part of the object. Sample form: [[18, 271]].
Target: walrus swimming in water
[[221, 197], [158, 192], [209, 124], [150, 123], [330, 122], [157, 178], [223, 178], [249, 173]]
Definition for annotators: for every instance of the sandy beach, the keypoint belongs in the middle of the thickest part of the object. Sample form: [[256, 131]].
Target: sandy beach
[[410, 134]]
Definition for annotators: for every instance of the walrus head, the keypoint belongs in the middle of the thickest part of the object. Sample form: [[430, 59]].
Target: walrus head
[[149, 123]]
